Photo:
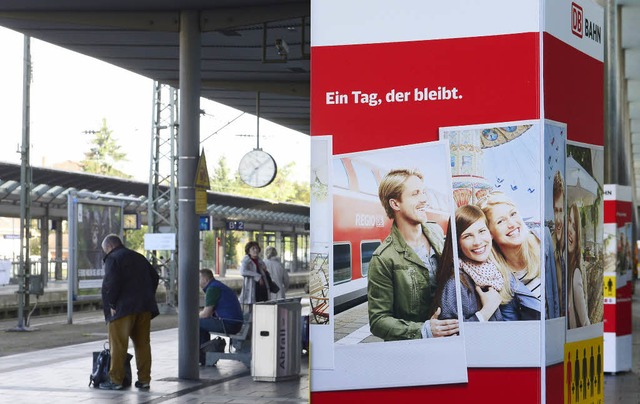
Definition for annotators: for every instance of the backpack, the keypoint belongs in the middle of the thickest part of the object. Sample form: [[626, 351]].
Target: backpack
[[219, 344], [100, 369]]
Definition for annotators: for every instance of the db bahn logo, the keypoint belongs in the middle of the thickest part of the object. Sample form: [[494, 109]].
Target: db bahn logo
[[577, 20], [583, 27]]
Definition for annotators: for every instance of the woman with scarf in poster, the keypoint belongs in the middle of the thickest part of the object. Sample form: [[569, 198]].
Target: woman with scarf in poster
[[517, 249], [474, 246], [484, 287], [577, 312]]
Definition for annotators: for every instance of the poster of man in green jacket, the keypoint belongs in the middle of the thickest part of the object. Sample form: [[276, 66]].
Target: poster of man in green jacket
[[402, 271]]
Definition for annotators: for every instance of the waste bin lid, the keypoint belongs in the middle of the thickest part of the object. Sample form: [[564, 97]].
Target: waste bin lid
[[282, 301]]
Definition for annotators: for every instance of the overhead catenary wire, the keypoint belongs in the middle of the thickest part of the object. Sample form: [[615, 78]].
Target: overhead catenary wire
[[223, 126]]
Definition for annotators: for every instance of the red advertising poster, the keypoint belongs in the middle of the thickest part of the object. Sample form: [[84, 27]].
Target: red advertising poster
[[475, 107], [618, 263]]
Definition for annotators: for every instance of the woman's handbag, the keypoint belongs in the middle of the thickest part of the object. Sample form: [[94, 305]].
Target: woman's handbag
[[273, 287]]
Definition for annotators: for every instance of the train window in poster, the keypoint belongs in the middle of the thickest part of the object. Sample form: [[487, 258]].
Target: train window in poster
[[341, 263], [366, 252]]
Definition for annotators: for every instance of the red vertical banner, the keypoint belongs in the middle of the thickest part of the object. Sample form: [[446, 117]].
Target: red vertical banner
[[618, 274]]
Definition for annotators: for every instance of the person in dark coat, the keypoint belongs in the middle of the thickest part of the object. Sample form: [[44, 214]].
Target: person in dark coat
[[128, 298]]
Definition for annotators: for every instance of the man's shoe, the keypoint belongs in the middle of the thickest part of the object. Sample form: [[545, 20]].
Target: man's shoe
[[110, 386], [142, 386]]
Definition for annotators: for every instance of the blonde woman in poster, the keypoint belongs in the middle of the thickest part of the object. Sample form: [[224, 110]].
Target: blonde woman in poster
[[517, 248], [577, 310]]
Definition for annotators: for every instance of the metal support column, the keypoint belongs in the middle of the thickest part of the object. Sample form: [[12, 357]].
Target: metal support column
[[25, 192], [223, 252], [615, 157], [58, 225], [188, 153], [294, 248], [618, 157], [44, 247], [162, 207]]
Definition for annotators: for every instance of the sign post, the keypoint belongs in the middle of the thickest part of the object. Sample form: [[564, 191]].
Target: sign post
[[202, 184]]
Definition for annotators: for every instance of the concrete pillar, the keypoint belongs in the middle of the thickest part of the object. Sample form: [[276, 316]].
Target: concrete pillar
[[617, 153], [188, 229]]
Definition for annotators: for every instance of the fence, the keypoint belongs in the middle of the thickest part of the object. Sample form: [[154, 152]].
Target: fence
[[11, 276]]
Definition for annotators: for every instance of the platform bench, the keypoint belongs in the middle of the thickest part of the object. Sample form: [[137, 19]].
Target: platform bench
[[238, 348]]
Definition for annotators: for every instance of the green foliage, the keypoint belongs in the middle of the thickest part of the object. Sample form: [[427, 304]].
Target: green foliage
[[231, 243], [221, 180], [282, 189], [104, 154], [134, 239], [230, 248], [34, 246], [208, 246]]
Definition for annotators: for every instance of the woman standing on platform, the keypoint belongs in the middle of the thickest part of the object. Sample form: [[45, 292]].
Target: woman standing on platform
[[577, 302], [278, 273], [256, 279]]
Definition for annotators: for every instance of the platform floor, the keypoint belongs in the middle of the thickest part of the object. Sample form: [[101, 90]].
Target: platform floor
[[61, 375]]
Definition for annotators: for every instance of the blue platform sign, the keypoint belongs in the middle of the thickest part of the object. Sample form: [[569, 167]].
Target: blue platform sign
[[235, 225], [205, 223]]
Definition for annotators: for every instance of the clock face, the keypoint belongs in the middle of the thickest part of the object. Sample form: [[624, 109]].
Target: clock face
[[257, 168]]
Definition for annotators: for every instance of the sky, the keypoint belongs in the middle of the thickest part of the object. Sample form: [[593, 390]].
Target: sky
[[72, 93]]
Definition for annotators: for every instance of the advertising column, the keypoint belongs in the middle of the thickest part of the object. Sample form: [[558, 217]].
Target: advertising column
[[426, 146], [573, 72], [450, 141], [618, 241]]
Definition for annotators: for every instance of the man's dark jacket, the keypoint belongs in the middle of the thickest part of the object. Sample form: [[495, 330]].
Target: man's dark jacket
[[129, 284]]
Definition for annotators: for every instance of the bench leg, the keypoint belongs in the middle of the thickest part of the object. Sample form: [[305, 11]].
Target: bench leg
[[240, 346]]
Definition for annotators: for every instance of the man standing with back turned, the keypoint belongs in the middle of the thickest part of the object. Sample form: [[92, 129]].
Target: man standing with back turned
[[129, 303]]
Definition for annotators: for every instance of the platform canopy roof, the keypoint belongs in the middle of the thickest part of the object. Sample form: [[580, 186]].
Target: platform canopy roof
[[239, 53], [51, 188]]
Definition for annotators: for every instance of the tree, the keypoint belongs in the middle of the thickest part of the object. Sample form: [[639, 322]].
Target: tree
[[134, 239], [221, 180], [104, 154]]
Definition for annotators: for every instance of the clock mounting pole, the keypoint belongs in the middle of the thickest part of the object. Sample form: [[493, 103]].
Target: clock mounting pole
[[258, 120]]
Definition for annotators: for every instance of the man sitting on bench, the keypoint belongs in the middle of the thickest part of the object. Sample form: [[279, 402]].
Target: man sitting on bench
[[221, 313]]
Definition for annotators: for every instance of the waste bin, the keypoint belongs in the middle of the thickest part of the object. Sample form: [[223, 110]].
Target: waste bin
[[276, 340]]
